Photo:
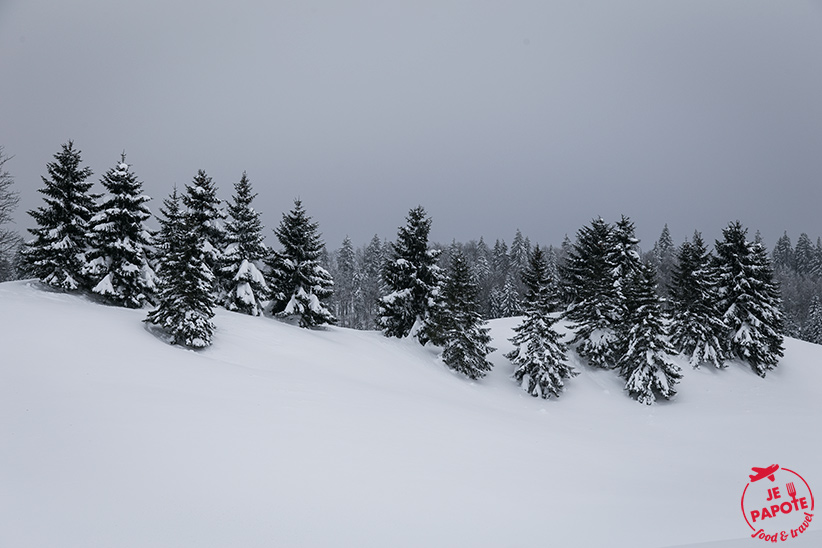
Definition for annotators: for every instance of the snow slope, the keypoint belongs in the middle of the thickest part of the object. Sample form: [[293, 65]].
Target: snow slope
[[281, 436]]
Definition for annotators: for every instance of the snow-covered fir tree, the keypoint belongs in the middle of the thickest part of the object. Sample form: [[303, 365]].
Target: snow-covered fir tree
[[57, 254], [519, 255], [478, 256], [505, 300], [500, 261], [804, 255], [345, 284], [783, 259], [697, 328], [465, 338], [185, 298], [816, 269], [590, 284], [205, 216], [413, 281], [749, 300], [298, 283], [552, 260], [118, 264], [663, 256], [245, 251], [623, 253], [812, 330], [369, 263], [539, 355], [646, 364]]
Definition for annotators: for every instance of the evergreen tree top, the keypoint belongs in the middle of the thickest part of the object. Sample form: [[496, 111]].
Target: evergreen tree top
[[298, 235], [123, 186], [412, 239], [66, 189], [201, 200], [244, 228], [783, 253], [624, 248]]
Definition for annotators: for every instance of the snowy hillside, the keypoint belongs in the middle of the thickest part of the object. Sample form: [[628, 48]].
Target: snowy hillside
[[281, 436]]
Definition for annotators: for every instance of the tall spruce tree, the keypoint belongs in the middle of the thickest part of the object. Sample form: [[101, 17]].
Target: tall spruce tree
[[664, 258], [590, 281], [539, 355], [185, 296], [464, 336], [244, 252], [346, 284], [370, 273], [205, 216], [816, 271], [646, 364], [803, 255], [623, 253], [413, 281], [783, 259], [748, 300], [697, 327], [812, 330], [481, 269], [298, 283], [118, 261], [57, 254], [519, 256]]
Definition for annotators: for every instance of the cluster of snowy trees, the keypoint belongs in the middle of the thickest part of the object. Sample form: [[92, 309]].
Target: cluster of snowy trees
[[200, 257], [799, 273], [720, 307], [711, 307]]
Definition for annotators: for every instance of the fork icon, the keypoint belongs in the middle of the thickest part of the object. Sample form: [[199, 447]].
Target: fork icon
[[792, 490]]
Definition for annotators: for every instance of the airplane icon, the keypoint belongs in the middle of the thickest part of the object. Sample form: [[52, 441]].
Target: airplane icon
[[762, 473]]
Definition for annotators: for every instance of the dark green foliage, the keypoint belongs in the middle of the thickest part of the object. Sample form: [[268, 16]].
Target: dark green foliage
[[539, 355], [245, 286], [589, 277], [297, 281], [464, 336], [118, 262], [646, 363], [57, 253], [413, 280], [185, 297], [749, 300], [698, 329], [205, 218]]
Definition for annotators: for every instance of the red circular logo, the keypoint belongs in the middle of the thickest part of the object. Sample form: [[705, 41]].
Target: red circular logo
[[777, 503]]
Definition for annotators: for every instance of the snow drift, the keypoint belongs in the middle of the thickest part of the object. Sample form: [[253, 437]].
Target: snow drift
[[281, 436]]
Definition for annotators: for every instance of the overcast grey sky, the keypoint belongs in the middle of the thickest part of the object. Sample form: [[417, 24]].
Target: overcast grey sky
[[493, 115]]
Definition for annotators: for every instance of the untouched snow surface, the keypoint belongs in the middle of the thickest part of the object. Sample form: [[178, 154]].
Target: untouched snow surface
[[281, 436]]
